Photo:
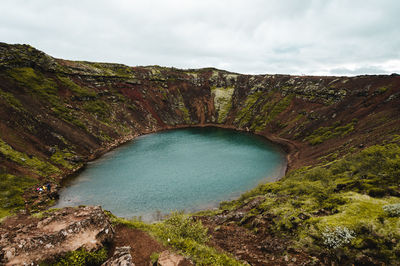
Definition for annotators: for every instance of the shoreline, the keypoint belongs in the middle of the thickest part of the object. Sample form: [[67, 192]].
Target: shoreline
[[282, 146]]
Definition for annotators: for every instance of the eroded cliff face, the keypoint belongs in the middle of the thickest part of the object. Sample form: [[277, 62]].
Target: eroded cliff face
[[57, 114]]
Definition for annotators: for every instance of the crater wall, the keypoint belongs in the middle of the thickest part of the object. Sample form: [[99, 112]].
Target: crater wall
[[57, 114]]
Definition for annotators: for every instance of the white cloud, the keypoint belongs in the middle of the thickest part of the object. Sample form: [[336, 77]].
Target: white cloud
[[247, 36]]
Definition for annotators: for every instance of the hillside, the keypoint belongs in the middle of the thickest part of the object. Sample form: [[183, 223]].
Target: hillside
[[341, 135]]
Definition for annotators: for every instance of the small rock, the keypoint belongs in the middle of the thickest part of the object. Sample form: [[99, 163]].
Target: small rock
[[76, 159], [168, 258], [9, 255], [52, 150], [122, 257]]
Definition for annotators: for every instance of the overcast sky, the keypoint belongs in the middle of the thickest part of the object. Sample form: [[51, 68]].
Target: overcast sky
[[336, 37]]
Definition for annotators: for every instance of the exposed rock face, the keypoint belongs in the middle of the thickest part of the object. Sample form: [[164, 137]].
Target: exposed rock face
[[61, 113], [31, 240], [167, 258], [121, 257]]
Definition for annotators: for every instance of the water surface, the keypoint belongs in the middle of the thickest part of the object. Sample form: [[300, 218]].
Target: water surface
[[185, 169]]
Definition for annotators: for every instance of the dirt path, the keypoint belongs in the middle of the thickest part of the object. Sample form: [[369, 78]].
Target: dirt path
[[142, 244]]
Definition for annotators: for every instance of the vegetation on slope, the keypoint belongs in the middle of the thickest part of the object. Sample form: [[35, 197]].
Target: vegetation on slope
[[80, 257], [260, 109], [348, 208], [60, 110], [11, 189], [185, 235], [325, 133]]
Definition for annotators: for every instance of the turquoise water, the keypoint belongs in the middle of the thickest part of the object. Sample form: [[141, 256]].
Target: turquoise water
[[185, 169]]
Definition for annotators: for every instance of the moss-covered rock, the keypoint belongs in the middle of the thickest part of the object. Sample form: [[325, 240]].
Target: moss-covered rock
[[222, 102]]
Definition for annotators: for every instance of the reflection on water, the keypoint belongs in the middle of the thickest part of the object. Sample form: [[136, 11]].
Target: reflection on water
[[187, 169]]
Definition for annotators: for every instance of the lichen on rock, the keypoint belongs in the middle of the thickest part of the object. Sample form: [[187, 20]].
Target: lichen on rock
[[222, 102]]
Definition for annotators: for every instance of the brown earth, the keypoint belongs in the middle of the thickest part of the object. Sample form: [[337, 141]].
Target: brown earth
[[141, 100], [255, 248], [141, 243]]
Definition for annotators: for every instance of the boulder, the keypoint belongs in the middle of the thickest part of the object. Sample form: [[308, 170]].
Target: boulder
[[28, 240], [122, 257], [168, 258]]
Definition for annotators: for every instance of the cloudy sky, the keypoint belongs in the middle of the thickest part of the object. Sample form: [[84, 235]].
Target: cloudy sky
[[335, 37]]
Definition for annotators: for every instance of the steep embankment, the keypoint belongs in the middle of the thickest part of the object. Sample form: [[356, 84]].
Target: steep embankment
[[57, 114]]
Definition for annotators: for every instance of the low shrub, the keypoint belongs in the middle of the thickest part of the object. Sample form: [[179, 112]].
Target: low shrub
[[393, 210], [80, 257], [325, 133], [179, 226], [337, 237], [355, 197], [184, 234]]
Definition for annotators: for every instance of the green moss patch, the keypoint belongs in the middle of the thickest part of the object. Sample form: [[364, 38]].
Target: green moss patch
[[60, 158], [325, 133], [222, 102], [11, 190], [35, 81], [75, 88], [340, 208], [182, 108], [46, 90], [40, 167], [98, 108], [245, 114], [80, 257], [185, 235], [260, 109], [11, 100]]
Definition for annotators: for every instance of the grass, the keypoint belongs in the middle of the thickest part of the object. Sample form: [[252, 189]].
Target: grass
[[80, 257], [260, 109], [37, 165], [59, 157], [245, 114], [36, 82], [11, 100], [46, 90], [348, 193], [98, 108], [185, 235], [272, 109], [325, 133], [75, 88], [11, 190]]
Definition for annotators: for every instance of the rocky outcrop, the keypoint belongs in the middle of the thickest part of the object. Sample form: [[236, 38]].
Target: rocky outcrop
[[121, 257], [26, 240]]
